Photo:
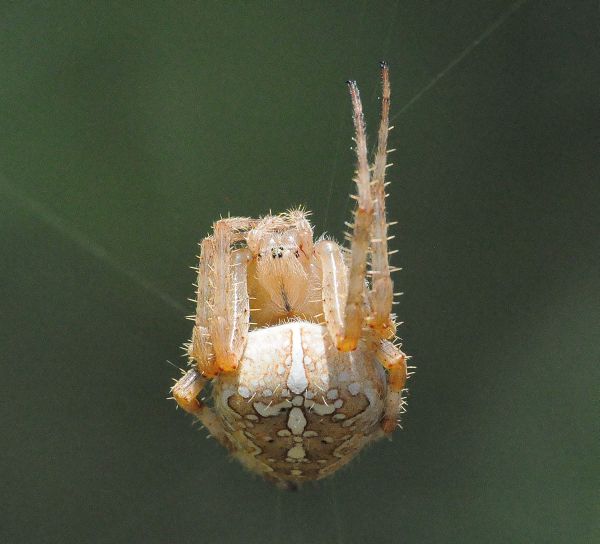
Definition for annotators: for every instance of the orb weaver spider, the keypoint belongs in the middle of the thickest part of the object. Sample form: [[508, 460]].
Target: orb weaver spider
[[301, 387]]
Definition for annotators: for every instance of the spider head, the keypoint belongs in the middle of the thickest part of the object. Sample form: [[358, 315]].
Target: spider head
[[282, 246]]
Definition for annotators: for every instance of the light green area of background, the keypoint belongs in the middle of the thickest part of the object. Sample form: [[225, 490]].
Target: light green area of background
[[127, 128]]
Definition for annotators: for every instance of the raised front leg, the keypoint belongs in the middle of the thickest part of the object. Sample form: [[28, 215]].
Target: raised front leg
[[381, 295], [344, 297]]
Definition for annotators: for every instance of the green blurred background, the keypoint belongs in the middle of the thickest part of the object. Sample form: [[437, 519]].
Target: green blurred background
[[127, 128]]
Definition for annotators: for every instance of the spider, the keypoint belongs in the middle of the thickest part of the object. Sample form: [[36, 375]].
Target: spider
[[315, 375]]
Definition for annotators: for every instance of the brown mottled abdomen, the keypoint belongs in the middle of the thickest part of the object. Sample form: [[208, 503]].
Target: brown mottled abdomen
[[297, 409]]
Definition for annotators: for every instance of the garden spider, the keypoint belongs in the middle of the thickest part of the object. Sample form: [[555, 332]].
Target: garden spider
[[299, 389]]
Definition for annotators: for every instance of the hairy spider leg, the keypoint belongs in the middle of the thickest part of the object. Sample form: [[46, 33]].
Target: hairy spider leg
[[218, 341], [382, 290], [186, 391], [363, 219], [344, 291], [381, 293], [200, 349], [394, 361], [334, 288], [230, 313], [344, 300], [215, 288]]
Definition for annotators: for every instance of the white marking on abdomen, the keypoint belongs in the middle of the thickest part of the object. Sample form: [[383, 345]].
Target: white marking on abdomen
[[320, 409], [297, 452], [267, 410], [296, 421], [297, 381]]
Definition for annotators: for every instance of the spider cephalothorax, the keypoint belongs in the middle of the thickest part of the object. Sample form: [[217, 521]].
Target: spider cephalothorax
[[281, 272], [295, 334]]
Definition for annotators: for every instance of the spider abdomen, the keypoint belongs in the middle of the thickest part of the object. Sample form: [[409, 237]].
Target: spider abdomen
[[297, 409]]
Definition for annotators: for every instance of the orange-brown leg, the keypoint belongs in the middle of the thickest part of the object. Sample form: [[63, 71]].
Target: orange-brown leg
[[230, 313], [344, 307], [381, 294], [222, 308], [186, 391], [221, 321], [395, 362], [200, 349], [359, 241], [343, 297], [334, 288]]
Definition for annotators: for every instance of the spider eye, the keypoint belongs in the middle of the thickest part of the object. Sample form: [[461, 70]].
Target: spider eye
[[277, 252]]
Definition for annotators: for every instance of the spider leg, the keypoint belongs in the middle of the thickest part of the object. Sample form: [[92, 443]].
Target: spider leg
[[334, 288], [394, 360], [353, 302], [200, 348], [230, 314], [381, 294], [344, 304], [185, 393]]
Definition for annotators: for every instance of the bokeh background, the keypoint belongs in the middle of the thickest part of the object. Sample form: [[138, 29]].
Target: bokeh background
[[127, 128]]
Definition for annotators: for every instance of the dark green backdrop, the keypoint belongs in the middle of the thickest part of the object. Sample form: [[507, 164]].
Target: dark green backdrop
[[127, 128]]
